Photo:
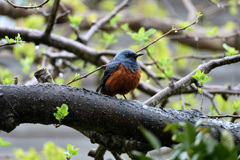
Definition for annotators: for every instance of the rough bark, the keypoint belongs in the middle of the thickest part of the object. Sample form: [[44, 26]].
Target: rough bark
[[96, 115]]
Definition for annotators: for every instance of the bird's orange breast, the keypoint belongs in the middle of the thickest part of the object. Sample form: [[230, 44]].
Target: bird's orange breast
[[122, 81]]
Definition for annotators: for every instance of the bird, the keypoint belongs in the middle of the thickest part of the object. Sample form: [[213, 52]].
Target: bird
[[122, 74]]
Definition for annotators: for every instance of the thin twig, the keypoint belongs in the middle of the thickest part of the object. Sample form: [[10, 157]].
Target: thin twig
[[183, 102], [200, 57], [27, 7], [201, 37], [84, 76], [222, 116], [201, 107], [156, 63], [167, 33], [215, 106], [7, 44], [116, 156], [52, 19], [104, 20]]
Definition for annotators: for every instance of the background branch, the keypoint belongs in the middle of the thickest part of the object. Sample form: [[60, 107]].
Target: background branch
[[27, 7], [187, 80]]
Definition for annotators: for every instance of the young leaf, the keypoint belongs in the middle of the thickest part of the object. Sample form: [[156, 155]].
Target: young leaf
[[71, 151], [7, 81], [61, 113], [4, 143], [213, 31], [114, 20], [230, 51], [201, 77], [75, 21]]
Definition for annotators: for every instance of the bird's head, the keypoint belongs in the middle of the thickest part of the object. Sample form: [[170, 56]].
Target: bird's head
[[127, 55]]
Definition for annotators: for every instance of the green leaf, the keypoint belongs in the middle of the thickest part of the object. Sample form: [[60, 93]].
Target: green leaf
[[213, 31], [199, 14], [230, 51], [61, 113], [71, 151], [236, 105], [149, 32], [114, 20], [141, 156], [4, 143], [26, 63], [201, 77], [227, 139], [125, 27], [75, 21], [31, 154], [77, 75], [108, 39], [7, 81], [151, 138], [200, 90], [53, 152], [141, 32]]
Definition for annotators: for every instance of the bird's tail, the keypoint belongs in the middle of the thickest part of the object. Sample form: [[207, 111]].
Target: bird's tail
[[99, 87]]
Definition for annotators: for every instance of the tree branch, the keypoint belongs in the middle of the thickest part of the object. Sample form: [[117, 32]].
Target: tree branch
[[104, 20], [29, 35], [52, 19], [187, 80], [88, 113], [27, 7]]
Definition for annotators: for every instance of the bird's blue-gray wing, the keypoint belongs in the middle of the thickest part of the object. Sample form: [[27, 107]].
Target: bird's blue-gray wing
[[108, 71]]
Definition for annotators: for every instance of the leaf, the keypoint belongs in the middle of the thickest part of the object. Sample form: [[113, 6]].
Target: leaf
[[227, 139], [77, 75], [141, 156], [213, 31], [150, 32], [200, 90], [7, 81], [4, 143], [230, 51], [233, 10], [199, 14], [61, 112], [125, 27], [151, 138], [141, 32], [114, 20], [75, 21], [71, 151], [201, 77]]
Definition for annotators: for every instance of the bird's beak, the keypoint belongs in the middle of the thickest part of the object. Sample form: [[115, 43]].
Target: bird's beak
[[138, 55]]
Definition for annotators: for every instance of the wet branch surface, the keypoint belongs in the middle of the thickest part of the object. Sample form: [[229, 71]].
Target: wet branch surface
[[95, 115]]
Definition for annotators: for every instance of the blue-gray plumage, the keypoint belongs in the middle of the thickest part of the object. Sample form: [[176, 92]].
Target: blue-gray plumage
[[122, 74]]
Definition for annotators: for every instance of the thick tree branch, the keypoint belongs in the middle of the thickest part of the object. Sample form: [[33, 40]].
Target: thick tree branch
[[82, 51], [90, 114]]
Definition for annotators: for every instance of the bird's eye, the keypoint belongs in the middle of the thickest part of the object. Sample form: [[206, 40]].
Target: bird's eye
[[128, 55]]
